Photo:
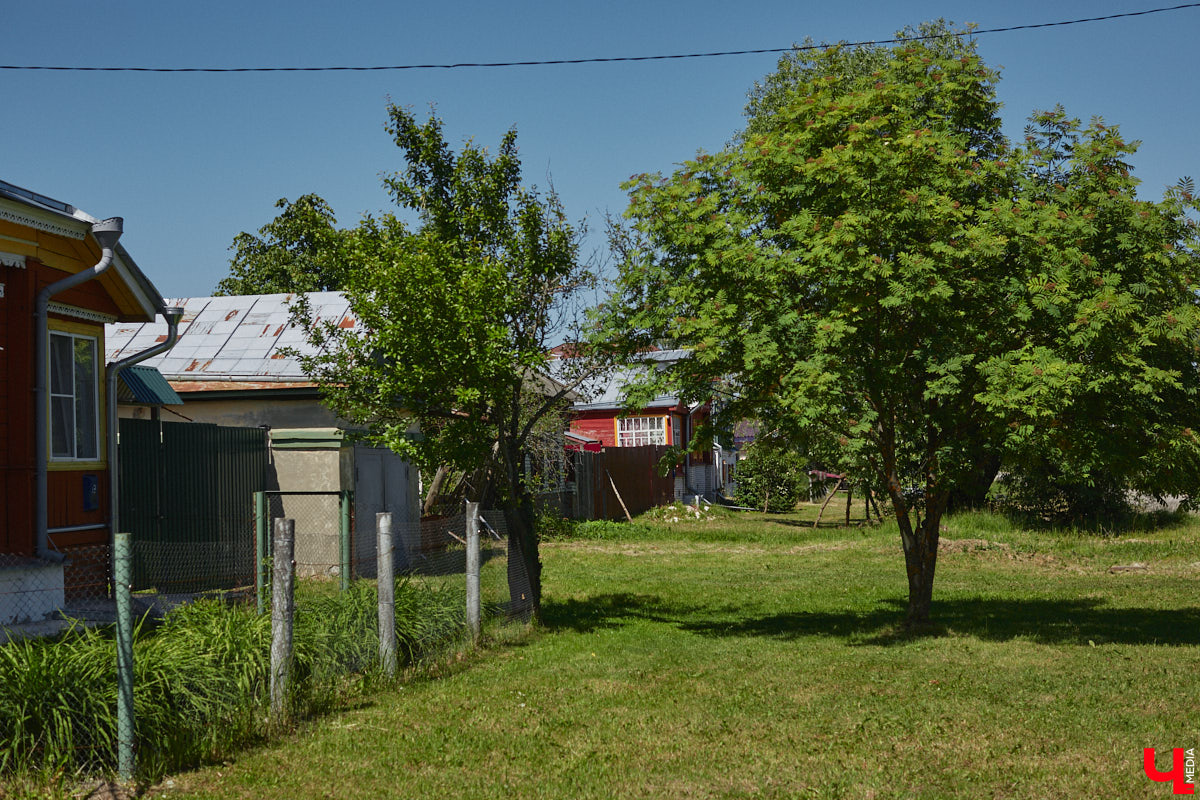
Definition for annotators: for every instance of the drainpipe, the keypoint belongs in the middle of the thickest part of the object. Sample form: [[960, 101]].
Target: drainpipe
[[106, 233], [173, 315]]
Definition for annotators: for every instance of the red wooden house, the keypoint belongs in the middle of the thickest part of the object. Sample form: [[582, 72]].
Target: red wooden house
[[665, 420], [62, 277]]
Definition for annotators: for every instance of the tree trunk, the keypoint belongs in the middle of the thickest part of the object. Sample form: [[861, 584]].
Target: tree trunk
[[920, 555], [524, 564], [435, 490]]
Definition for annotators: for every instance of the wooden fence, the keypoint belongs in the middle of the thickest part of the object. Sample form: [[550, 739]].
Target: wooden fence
[[633, 471]]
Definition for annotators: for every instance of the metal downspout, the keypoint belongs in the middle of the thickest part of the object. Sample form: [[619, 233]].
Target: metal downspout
[[112, 371], [106, 233]]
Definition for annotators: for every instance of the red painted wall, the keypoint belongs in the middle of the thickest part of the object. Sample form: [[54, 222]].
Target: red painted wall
[[65, 487]]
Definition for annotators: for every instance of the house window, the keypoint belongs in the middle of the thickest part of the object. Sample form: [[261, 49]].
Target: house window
[[74, 410], [676, 431], [638, 431]]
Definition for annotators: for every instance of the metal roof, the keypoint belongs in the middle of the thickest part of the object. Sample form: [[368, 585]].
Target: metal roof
[[612, 394], [146, 386], [231, 338], [145, 293]]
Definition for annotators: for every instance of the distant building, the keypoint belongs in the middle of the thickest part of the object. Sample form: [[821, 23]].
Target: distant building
[[665, 420], [236, 364]]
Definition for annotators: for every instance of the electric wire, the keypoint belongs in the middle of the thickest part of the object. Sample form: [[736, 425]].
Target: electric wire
[[596, 60]]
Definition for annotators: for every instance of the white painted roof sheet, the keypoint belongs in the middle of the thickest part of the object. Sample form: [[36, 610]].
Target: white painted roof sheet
[[229, 338], [612, 393]]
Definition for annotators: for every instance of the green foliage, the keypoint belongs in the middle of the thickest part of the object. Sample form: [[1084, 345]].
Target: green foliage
[[604, 529], [1101, 395], [552, 525], [1041, 494], [298, 251], [456, 316], [872, 261], [770, 478], [201, 677]]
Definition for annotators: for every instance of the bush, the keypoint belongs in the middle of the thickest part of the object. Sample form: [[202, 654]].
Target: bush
[[770, 478], [1040, 493]]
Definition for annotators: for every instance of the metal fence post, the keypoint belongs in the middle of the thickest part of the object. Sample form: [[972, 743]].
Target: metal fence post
[[344, 535], [283, 605], [122, 581], [473, 610], [386, 587], [260, 550]]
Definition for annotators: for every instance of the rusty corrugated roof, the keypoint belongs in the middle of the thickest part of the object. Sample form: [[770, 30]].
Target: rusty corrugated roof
[[230, 338]]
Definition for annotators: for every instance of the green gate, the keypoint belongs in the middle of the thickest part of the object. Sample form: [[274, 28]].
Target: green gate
[[187, 496]]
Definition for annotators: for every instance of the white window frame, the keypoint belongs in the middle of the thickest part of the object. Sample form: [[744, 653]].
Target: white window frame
[[640, 431], [73, 400]]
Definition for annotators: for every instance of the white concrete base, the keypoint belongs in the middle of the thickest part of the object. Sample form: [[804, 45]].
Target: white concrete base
[[31, 590]]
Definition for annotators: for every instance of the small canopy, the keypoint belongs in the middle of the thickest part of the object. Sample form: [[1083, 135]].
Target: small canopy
[[142, 385]]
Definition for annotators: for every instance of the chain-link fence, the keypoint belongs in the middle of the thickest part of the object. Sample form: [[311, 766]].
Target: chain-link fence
[[183, 632]]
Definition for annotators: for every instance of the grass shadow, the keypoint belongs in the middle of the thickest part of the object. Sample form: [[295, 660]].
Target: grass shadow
[[1075, 621], [1067, 621], [607, 612]]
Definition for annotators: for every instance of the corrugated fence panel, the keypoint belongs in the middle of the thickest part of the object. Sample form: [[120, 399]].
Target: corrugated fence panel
[[191, 503]]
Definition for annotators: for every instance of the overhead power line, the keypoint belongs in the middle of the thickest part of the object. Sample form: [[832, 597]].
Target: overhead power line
[[599, 60]]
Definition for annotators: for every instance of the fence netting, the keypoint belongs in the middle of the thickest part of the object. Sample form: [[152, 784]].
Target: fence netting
[[202, 621]]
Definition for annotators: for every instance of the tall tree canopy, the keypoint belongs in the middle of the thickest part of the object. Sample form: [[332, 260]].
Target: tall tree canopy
[[456, 316], [298, 251], [872, 260]]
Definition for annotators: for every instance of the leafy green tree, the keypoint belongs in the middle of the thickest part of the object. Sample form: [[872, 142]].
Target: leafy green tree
[[858, 261], [1102, 396], [298, 251], [455, 317]]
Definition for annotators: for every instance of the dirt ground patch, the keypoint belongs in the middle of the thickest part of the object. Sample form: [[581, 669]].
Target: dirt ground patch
[[968, 545]]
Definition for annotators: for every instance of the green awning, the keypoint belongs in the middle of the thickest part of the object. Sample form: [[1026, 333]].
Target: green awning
[[145, 386]]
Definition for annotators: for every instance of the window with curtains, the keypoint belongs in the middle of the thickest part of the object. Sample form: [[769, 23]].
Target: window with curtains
[[74, 398], [637, 431]]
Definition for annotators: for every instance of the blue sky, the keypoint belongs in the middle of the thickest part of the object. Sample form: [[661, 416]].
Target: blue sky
[[192, 159]]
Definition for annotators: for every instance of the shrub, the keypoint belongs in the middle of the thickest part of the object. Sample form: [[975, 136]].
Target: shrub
[[770, 478]]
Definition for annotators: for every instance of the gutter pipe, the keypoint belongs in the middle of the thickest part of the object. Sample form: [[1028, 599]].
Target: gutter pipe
[[173, 315], [106, 233]]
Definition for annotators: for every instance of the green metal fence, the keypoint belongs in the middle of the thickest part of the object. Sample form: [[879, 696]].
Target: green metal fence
[[187, 499]]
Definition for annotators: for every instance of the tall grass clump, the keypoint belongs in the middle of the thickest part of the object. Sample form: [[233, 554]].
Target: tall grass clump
[[201, 677]]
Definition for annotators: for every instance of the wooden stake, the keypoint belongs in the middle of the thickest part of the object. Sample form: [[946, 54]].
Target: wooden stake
[[613, 484], [827, 499]]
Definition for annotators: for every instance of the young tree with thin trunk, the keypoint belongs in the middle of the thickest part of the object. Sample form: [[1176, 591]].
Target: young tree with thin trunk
[[448, 362]]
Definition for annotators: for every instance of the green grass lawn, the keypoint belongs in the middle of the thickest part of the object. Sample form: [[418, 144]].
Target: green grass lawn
[[752, 656]]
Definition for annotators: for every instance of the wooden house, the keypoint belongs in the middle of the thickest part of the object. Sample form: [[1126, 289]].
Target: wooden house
[[665, 420], [62, 277]]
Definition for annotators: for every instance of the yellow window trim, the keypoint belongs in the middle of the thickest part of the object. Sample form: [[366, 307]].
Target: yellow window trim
[[96, 332]]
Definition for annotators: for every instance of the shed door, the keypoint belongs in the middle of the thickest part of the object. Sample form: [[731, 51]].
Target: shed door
[[384, 481]]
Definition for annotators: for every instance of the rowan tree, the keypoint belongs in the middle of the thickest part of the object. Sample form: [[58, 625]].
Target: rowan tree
[[864, 259]]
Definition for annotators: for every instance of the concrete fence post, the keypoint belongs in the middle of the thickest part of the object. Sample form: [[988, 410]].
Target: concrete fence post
[[386, 587], [283, 607], [122, 584], [260, 550], [346, 565], [473, 604]]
